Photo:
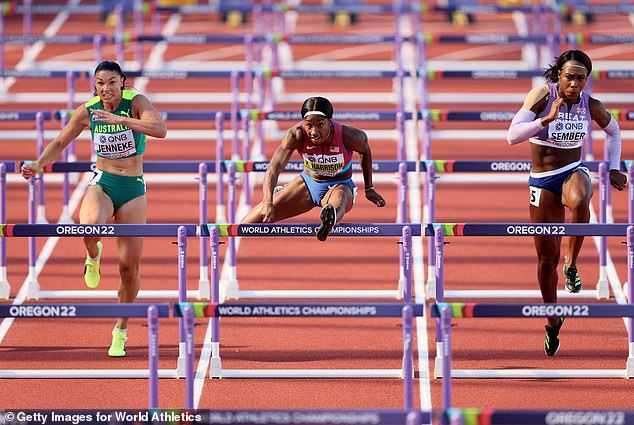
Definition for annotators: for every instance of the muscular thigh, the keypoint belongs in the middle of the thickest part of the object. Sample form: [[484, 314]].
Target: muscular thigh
[[132, 212], [546, 207], [293, 200], [341, 194], [577, 189], [96, 207]]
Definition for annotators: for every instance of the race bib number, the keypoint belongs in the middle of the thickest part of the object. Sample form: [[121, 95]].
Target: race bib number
[[116, 145], [567, 134], [324, 165], [535, 195], [96, 176]]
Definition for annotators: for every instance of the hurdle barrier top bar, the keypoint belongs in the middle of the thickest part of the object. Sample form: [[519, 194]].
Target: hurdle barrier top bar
[[527, 229], [435, 115], [9, 166], [50, 9], [379, 166], [200, 39], [97, 230], [493, 74], [151, 230], [589, 310], [310, 229], [284, 229], [498, 166], [387, 309], [47, 311]]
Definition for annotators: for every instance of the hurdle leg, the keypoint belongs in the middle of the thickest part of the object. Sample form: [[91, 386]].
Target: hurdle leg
[[402, 218], [629, 366], [603, 286], [440, 273], [215, 364], [152, 325], [408, 359], [41, 208], [181, 364], [445, 326], [33, 291], [429, 216], [189, 359], [231, 283], [203, 281], [5, 288]]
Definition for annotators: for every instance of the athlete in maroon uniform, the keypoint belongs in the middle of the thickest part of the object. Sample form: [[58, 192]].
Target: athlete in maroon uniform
[[326, 147]]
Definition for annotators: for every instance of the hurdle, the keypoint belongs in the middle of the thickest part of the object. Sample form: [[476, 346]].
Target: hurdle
[[397, 116], [445, 311], [92, 310], [404, 310], [445, 115], [231, 290], [182, 231], [516, 166], [202, 168], [5, 287], [215, 231], [104, 310], [56, 230], [531, 229], [231, 287]]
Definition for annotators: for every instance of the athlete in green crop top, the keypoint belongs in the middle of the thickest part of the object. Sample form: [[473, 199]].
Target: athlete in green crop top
[[119, 121]]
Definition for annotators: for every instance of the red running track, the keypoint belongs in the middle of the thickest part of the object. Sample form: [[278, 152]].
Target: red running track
[[340, 263]]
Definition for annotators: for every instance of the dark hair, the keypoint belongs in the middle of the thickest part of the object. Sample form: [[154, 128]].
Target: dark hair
[[110, 66], [552, 73], [317, 103]]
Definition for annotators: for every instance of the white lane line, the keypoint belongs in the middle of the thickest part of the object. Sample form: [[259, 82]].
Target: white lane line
[[45, 254], [30, 53], [205, 355]]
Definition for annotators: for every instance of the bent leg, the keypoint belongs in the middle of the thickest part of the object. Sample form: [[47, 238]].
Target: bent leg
[[96, 208], [340, 196], [576, 196], [289, 202]]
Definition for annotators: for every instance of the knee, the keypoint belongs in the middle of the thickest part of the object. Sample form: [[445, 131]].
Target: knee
[[548, 264], [578, 201], [128, 270]]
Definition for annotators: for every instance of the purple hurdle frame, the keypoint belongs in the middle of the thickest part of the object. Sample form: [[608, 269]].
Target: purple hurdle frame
[[5, 287]]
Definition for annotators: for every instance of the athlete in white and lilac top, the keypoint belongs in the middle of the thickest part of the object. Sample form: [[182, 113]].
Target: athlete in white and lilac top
[[326, 148], [556, 118]]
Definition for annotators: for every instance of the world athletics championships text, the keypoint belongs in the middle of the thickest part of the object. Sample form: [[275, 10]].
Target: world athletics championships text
[[293, 310]]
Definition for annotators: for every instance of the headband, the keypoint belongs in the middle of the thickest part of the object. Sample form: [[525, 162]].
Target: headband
[[577, 66], [314, 113]]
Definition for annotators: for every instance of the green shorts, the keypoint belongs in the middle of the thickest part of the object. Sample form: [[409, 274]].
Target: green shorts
[[120, 189]]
